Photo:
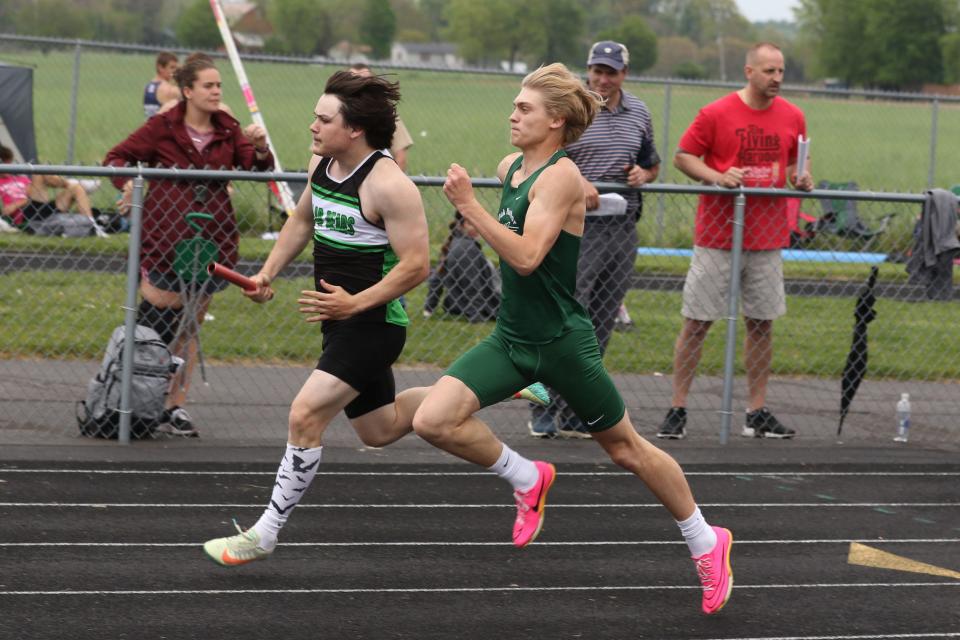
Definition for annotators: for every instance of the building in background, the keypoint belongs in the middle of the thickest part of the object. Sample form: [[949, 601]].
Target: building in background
[[426, 54]]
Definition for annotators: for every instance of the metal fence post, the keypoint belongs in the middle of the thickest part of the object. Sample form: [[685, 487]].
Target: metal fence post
[[74, 94], [934, 117], [130, 308], [733, 304], [664, 165]]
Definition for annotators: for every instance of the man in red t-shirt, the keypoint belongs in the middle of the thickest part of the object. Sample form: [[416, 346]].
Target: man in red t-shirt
[[749, 139]]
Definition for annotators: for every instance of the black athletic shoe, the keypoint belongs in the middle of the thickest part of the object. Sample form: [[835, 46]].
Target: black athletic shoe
[[178, 423], [674, 424], [762, 424]]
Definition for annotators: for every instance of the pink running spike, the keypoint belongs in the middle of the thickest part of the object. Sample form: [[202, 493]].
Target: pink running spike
[[715, 573], [531, 504]]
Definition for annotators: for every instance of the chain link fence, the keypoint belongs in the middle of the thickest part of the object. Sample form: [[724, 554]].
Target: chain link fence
[[61, 297], [88, 97]]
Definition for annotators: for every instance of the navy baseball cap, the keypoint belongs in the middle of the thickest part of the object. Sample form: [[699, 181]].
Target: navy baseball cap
[[609, 53]]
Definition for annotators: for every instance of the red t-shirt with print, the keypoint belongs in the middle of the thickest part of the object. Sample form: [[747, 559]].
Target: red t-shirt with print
[[728, 133]]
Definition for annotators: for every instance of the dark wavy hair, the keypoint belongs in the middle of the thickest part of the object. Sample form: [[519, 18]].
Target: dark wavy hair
[[369, 104]]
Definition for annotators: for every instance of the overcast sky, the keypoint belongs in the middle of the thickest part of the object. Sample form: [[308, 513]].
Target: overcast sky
[[759, 10]]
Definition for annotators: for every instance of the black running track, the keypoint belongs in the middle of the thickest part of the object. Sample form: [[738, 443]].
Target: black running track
[[421, 551]]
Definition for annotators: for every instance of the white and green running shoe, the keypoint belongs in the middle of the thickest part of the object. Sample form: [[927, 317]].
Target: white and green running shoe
[[235, 550], [535, 393]]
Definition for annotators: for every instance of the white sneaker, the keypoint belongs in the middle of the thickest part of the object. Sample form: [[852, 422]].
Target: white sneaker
[[235, 550], [6, 227], [99, 232], [89, 184]]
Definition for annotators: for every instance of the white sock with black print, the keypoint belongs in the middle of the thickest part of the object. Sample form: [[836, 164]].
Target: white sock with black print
[[296, 472]]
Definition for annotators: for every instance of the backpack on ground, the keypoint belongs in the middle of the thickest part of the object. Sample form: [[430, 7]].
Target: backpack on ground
[[67, 225], [153, 366]]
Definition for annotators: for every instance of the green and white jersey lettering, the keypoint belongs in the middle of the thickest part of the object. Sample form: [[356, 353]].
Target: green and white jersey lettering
[[349, 250]]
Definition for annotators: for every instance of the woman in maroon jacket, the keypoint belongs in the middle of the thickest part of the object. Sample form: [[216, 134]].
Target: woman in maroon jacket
[[194, 134]]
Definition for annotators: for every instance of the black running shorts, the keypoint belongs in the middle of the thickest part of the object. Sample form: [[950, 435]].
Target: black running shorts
[[361, 354]]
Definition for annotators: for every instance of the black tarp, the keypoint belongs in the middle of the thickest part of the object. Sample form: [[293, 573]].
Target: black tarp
[[16, 112]]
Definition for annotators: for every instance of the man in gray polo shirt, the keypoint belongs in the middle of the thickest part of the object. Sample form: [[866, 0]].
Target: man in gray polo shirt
[[617, 147]]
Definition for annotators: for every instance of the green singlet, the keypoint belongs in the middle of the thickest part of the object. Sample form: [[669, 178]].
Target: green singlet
[[543, 333], [537, 308]]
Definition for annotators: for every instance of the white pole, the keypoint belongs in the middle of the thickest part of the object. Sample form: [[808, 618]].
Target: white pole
[[280, 189]]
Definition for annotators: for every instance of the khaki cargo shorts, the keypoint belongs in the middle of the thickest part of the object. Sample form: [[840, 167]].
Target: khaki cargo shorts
[[707, 285]]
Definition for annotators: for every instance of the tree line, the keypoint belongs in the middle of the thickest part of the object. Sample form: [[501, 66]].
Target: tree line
[[888, 44]]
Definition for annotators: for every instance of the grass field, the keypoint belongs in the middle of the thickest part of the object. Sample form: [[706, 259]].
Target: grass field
[[883, 145], [811, 340]]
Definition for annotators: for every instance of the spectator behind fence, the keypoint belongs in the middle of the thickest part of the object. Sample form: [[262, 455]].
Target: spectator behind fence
[[161, 89], [617, 147], [28, 205], [747, 138], [197, 56], [471, 281], [401, 140], [194, 134]]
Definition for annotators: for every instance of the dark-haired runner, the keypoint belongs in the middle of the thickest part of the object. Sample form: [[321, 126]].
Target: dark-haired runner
[[370, 246]]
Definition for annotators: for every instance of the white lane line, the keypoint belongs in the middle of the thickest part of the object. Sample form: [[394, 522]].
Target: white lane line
[[441, 474], [651, 587], [615, 505], [884, 636], [573, 543]]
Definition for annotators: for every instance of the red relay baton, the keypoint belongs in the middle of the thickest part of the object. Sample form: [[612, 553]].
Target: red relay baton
[[231, 276]]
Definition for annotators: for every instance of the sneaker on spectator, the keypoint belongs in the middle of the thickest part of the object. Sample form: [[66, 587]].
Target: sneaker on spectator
[[235, 550], [542, 426], [531, 504], [6, 227], [574, 429], [762, 424], [622, 321], [674, 424], [535, 393], [715, 572], [176, 421], [88, 184]]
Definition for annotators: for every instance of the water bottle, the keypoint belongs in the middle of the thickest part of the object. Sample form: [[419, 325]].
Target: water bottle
[[903, 418]]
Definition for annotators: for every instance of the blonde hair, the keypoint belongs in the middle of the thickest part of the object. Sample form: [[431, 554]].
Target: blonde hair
[[565, 96]]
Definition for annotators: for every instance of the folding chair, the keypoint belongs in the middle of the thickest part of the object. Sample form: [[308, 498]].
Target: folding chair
[[840, 216], [801, 225]]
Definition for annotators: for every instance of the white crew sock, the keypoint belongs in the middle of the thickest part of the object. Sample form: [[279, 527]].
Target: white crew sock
[[295, 474], [515, 469], [700, 536]]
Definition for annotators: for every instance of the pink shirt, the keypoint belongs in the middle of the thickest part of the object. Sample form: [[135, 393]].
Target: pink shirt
[[13, 188], [728, 133], [200, 140]]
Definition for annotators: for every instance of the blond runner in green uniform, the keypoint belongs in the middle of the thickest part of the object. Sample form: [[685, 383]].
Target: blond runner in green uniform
[[543, 333]]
